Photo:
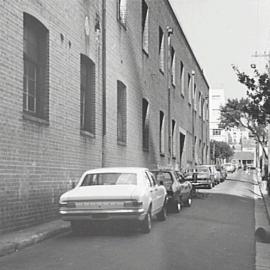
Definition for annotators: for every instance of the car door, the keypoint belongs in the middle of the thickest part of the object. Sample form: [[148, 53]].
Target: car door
[[152, 192], [159, 190]]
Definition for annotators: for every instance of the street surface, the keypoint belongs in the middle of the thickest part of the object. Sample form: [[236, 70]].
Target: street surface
[[215, 233]]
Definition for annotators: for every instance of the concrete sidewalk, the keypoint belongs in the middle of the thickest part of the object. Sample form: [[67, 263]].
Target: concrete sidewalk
[[12, 242], [262, 219]]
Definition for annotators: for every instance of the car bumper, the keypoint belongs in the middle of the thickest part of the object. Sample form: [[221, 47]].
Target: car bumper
[[119, 214], [201, 183]]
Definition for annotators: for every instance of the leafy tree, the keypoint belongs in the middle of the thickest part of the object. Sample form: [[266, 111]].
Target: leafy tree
[[253, 111], [220, 150]]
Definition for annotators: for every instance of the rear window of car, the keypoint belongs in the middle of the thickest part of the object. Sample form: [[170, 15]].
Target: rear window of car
[[202, 169], [109, 179]]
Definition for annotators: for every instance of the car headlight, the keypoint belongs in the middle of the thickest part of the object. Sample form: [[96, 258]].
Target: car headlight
[[67, 204]]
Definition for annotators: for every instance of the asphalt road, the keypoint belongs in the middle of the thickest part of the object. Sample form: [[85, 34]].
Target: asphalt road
[[215, 233]]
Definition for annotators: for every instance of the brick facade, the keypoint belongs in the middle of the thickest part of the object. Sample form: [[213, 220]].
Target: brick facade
[[40, 158]]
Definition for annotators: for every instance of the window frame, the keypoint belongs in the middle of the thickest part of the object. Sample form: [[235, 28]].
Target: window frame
[[121, 113]]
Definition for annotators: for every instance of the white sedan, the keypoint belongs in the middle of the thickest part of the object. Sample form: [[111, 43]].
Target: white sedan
[[114, 194]]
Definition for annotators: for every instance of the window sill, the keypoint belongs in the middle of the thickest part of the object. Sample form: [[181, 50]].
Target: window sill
[[87, 133], [33, 118], [145, 52], [121, 143], [182, 95], [174, 158], [162, 154], [161, 71], [145, 150], [123, 25]]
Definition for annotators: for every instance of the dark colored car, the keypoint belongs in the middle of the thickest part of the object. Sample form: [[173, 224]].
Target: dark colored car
[[179, 190], [222, 171]]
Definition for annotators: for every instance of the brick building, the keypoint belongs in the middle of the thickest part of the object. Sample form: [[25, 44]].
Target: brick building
[[86, 84]]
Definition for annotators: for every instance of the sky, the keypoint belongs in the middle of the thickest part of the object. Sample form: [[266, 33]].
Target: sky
[[226, 32]]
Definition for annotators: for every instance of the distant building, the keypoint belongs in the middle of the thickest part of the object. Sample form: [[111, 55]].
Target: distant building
[[216, 100]]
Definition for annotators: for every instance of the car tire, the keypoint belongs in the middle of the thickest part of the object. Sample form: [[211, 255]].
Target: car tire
[[146, 224], [177, 206], [162, 215]]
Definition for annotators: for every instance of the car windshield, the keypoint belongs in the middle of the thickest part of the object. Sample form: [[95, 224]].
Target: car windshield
[[109, 179], [202, 169]]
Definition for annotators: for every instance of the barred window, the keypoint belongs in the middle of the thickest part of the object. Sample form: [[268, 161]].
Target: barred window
[[122, 11], [189, 88], [145, 124], [121, 113], [35, 72], [161, 50], [173, 66], [182, 78], [195, 97], [87, 94], [173, 139], [145, 26], [161, 132]]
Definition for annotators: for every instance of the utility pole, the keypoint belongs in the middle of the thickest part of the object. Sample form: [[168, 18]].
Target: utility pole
[[266, 55]]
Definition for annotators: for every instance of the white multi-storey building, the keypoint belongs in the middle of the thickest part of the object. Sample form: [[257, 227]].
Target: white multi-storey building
[[216, 100]]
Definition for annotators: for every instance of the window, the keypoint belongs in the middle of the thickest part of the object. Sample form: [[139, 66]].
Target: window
[[121, 112], [145, 124], [122, 12], [195, 97], [161, 50], [216, 132], [200, 104], [182, 78], [87, 94], [189, 89], [161, 133], [145, 26], [173, 66], [35, 72], [173, 139]]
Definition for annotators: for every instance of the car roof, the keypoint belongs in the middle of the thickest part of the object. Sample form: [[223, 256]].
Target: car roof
[[117, 170]]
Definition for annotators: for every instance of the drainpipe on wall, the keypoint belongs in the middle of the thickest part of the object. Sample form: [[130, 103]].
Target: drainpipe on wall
[[169, 33], [103, 82], [193, 120]]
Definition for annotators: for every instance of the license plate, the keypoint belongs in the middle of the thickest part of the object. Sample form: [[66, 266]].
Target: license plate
[[99, 205]]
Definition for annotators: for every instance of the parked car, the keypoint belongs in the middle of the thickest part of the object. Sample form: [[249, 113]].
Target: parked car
[[114, 194], [230, 168], [222, 171], [203, 177], [179, 190]]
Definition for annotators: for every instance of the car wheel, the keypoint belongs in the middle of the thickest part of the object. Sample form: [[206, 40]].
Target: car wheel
[[177, 206], [189, 201], [162, 215], [146, 225]]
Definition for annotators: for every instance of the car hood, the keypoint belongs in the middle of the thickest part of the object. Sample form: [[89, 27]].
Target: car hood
[[108, 192]]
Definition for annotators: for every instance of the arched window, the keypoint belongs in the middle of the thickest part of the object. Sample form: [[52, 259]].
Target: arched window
[[88, 94], [35, 72]]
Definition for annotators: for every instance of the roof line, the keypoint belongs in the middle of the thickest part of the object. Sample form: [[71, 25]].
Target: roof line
[[187, 43]]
